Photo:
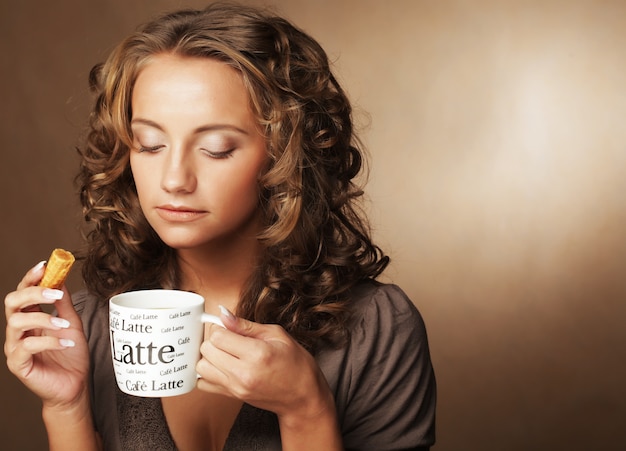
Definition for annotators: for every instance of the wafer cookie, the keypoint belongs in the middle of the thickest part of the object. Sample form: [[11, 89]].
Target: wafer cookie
[[57, 269]]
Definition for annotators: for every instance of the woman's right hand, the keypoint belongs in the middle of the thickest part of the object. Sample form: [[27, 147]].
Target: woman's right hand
[[48, 354]]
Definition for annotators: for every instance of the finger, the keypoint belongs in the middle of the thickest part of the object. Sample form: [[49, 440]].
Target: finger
[[33, 276], [24, 299], [21, 323], [239, 325], [207, 386], [35, 345], [251, 329], [216, 358], [219, 368], [223, 341], [221, 379], [212, 385], [20, 358], [211, 378], [65, 308], [256, 349], [223, 338], [209, 372]]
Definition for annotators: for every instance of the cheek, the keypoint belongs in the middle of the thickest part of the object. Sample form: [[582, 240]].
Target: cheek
[[141, 177], [235, 190], [248, 182], [133, 168], [242, 181]]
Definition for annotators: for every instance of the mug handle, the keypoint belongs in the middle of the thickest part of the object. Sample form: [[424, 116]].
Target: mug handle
[[206, 318]]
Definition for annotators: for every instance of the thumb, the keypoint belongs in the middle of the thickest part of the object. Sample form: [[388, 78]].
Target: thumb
[[240, 325]]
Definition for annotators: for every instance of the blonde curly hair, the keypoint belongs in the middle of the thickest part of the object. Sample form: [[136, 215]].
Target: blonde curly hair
[[316, 242]]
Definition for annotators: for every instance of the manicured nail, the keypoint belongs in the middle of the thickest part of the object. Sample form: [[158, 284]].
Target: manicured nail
[[226, 312], [39, 266], [66, 343], [52, 294], [60, 322]]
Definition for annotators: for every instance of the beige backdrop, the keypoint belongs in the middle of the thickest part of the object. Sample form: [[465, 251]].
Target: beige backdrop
[[498, 158]]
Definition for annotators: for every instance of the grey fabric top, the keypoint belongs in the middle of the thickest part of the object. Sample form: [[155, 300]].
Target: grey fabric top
[[382, 380]]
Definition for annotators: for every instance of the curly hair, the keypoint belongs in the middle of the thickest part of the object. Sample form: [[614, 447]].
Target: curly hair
[[316, 242]]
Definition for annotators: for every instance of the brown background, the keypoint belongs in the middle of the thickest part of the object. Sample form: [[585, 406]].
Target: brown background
[[496, 130]]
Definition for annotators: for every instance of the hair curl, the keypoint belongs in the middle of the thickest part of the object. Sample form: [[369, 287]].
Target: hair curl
[[316, 242]]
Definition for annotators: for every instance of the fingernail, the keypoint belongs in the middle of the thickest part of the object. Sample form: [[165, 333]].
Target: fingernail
[[60, 322], [66, 343], [226, 312], [52, 294], [39, 266]]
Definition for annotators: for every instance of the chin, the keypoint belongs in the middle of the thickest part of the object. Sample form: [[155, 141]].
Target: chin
[[181, 240]]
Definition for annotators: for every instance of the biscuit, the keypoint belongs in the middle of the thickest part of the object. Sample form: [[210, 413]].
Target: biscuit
[[57, 269]]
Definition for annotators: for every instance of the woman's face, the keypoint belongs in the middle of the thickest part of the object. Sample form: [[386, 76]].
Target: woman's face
[[197, 152]]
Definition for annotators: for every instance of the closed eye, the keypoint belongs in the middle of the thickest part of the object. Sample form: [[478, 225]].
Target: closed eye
[[219, 155], [150, 149]]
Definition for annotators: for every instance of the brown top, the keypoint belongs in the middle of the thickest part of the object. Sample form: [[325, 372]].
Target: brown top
[[382, 380]]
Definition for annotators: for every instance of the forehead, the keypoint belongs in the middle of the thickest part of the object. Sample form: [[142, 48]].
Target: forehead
[[166, 69], [174, 85]]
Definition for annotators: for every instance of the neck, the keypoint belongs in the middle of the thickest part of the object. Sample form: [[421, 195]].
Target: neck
[[218, 273]]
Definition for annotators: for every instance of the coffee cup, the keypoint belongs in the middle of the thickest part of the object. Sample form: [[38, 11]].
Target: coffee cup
[[155, 340]]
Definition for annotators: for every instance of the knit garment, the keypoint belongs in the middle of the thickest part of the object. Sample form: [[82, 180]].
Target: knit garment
[[382, 381]]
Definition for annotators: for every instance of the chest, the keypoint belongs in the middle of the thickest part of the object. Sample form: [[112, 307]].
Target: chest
[[199, 420]]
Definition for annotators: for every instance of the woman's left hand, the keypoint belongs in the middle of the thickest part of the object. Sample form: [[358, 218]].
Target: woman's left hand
[[262, 365]]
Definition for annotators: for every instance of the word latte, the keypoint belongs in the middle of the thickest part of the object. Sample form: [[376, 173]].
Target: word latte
[[140, 353]]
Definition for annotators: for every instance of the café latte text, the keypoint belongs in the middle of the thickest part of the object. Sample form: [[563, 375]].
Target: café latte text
[[140, 353]]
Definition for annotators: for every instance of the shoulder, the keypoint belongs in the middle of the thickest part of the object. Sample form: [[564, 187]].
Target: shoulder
[[385, 324], [84, 302], [381, 309], [93, 313], [371, 295], [382, 379]]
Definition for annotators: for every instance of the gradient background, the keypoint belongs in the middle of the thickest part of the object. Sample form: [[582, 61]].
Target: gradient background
[[498, 159]]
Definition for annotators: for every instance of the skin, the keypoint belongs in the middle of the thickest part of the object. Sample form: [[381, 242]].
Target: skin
[[196, 158], [51, 360]]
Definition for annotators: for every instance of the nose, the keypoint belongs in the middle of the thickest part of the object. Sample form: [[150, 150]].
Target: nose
[[178, 173]]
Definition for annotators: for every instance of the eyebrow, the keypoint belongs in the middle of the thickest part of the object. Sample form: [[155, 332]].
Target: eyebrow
[[201, 129]]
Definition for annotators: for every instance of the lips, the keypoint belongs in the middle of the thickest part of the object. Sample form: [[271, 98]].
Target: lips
[[174, 213]]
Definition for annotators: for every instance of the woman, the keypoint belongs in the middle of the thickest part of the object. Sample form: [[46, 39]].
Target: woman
[[221, 159]]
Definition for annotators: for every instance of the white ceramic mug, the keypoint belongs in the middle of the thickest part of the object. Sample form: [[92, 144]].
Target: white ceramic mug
[[155, 340]]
